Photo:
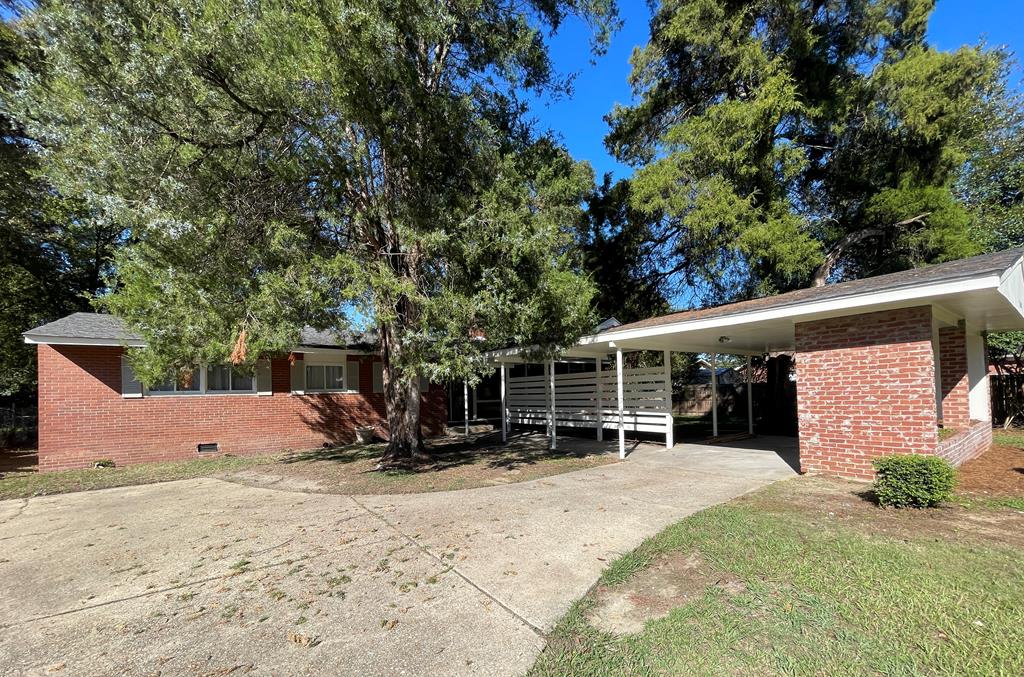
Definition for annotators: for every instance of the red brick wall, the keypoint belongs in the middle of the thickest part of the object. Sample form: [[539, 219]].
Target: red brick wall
[[956, 408], [967, 443], [82, 416], [865, 388]]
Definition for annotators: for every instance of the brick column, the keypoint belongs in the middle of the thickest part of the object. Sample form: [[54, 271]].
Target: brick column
[[865, 388], [953, 377]]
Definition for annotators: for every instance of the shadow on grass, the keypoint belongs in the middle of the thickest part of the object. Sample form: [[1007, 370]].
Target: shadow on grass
[[447, 453]]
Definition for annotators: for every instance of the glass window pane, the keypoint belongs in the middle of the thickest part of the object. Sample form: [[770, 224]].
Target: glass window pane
[[378, 377], [218, 378], [314, 377], [335, 376], [189, 382], [165, 387], [241, 381]]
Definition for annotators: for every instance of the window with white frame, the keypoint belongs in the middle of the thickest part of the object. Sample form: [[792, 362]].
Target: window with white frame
[[218, 380], [185, 384], [225, 379], [325, 378]]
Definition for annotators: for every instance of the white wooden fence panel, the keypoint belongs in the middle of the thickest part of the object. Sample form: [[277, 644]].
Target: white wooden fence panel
[[647, 400]]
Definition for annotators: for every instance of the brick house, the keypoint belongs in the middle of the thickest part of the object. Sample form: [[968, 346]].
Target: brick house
[[882, 364], [92, 407]]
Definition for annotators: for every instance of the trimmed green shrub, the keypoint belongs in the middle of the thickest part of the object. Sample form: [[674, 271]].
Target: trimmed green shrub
[[913, 481]]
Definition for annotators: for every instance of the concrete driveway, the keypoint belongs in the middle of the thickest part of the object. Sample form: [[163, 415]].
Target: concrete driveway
[[212, 577]]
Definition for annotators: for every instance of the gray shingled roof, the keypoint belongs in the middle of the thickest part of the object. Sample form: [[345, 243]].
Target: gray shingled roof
[[87, 326], [976, 266], [101, 326]]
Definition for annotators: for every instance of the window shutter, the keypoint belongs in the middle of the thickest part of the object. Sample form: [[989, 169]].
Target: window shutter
[[298, 376], [130, 386], [424, 384], [352, 380], [378, 377], [264, 378]]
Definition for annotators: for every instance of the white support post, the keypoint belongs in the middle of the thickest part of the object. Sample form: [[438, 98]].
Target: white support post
[[476, 410], [465, 404], [554, 422], [750, 396], [547, 401], [504, 406], [670, 423], [600, 400], [622, 419], [714, 394]]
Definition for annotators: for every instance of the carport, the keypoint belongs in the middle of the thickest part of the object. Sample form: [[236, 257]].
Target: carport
[[881, 364]]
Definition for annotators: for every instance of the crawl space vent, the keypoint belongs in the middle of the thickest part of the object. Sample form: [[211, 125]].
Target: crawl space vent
[[208, 448]]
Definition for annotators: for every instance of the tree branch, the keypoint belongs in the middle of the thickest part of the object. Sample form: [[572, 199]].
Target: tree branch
[[822, 273]]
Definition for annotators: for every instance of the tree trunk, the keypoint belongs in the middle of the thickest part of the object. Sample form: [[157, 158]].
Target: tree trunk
[[402, 406]]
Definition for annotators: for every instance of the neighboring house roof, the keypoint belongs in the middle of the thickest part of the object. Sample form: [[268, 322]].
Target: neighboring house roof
[[103, 329], [723, 375], [610, 323]]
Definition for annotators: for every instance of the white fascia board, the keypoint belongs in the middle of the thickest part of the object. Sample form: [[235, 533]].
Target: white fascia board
[[806, 310], [1011, 287], [75, 341]]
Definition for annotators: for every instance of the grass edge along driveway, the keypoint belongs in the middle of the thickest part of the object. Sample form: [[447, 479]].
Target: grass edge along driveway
[[826, 583]]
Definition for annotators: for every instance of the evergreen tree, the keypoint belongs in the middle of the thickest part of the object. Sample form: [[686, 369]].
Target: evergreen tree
[[313, 161], [793, 142]]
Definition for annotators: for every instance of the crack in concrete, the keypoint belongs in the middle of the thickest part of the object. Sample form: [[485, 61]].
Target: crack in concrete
[[18, 513], [155, 591], [449, 567]]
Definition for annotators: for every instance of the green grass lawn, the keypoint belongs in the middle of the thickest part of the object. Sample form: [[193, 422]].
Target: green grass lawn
[[1010, 438], [823, 583], [27, 484]]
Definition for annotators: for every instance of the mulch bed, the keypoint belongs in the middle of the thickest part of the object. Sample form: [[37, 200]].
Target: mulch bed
[[999, 471]]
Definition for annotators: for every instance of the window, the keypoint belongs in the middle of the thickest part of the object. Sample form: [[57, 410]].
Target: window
[[186, 383], [325, 378], [224, 379], [217, 380]]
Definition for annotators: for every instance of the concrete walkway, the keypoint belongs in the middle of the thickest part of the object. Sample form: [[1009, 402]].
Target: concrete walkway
[[210, 577]]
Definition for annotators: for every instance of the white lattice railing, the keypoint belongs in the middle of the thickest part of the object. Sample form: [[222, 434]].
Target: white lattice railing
[[584, 399]]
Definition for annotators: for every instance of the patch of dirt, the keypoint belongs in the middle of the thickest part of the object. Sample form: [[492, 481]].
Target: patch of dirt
[[670, 582], [825, 501], [18, 460], [997, 472], [452, 462]]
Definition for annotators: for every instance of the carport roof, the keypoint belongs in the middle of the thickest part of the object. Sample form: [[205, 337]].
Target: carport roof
[[986, 291], [986, 264]]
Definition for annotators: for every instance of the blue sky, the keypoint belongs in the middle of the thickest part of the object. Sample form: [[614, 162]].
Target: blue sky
[[579, 120]]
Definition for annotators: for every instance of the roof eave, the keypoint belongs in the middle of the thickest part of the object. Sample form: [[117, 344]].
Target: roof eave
[[807, 310], [43, 339]]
